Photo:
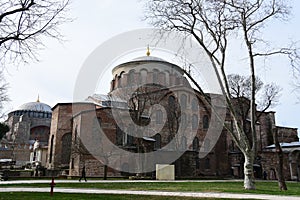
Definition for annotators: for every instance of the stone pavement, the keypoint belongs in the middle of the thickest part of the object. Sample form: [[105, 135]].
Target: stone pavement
[[158, 193]]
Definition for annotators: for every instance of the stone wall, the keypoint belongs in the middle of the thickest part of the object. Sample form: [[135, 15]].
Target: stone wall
[[270, 163], [286, 134], [20, 154]]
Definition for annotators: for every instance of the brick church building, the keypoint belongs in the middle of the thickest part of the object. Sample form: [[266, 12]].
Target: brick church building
[[76, 126], [152, 110]]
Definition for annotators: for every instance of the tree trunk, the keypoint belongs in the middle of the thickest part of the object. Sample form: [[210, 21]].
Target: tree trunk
[[248, 171], [105, 172], [280, 175]]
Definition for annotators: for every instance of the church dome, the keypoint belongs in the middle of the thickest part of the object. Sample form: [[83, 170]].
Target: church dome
[[35, 106], [148, 58]]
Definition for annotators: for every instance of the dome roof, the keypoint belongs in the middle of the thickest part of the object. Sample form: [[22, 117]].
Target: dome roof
[[35, 106], [148, 58]]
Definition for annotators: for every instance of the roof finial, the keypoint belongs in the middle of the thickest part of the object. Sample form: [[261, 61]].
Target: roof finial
[[148, 51], [38, 99]]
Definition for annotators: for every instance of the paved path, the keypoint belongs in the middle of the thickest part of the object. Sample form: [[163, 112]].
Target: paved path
[[159, 193]]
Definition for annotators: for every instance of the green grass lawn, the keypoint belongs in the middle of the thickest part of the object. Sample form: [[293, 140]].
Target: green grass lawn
[[262, 187], [66, 196]]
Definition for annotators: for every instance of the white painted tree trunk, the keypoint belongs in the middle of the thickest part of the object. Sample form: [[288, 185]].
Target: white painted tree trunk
[[248, 171]]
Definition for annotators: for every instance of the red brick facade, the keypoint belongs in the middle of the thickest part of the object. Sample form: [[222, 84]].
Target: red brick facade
[[188, 114]]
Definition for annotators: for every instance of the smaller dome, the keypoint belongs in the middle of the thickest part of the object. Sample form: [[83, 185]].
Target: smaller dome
[[35, 106]]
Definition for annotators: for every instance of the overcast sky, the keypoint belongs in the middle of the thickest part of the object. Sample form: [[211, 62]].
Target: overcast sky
[[96, 21]]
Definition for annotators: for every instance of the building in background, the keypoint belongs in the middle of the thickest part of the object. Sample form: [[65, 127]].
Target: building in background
[[28, 123]]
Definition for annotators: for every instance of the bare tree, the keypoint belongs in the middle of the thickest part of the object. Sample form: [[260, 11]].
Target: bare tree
[[212, 24], [3, 129], [281, 178], [267, 97], [25, 23], [296, 83], [3, 93]]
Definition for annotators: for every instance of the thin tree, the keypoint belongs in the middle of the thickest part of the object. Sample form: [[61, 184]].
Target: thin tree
[[3, 94], [267, 97], [24, 24], [212, 24], [281, 179], [296, 83], [3, 129]]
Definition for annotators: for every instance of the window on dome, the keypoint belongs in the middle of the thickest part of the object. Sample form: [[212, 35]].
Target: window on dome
[[167, 77], [183, 101], [183, 120], [194, 122], [143, 76], [155, 76], [205, 122], [183, 143], [162, 78], [171, 102], [130, 78], [159, 116], [194, 104], [196, 144]]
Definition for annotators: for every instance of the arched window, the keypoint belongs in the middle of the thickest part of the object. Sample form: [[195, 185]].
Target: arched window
[[172, 102], [167, 73], [119, 136], [162, 78], [205, 122], [194, 122], [143, 76], [155, 76], [159, 117], [183, 101], [121, 80], [207, 163], [196, 144], [130, 78], [183, 143], [183, 120], [51, 149], [40, 132], [157, 144], [194, 104], [129, 139]]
